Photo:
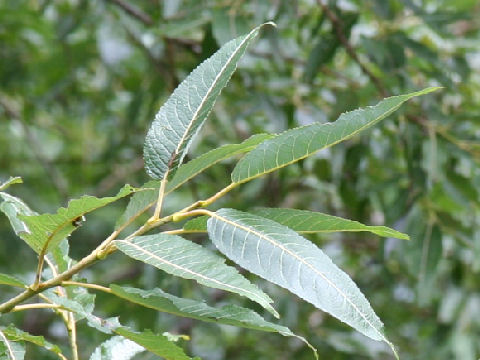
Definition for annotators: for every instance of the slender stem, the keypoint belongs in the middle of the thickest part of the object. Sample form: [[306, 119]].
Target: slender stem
[[35, 306], [161, 193], [88, 286], [182, 231], [72, 334]]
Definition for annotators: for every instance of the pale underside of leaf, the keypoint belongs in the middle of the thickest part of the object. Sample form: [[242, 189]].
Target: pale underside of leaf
[[13, 207], [45, 231], [283, 257], [188, 260], [297, 144], [184, 113], [117, 347]]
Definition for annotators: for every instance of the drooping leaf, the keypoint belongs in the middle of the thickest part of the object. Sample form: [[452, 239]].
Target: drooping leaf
[[47, 230], [296, 144], [303, 221], [115, 348], [194, 167], [280, 255], [14, 334], [229, 314], [141, 201], [183, 258], [184, 113], [6, 279], [11, 350], [13, 207], [11, 181], [158, 344]]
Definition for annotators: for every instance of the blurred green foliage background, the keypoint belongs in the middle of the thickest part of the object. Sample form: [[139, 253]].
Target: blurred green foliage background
[[80, 82]]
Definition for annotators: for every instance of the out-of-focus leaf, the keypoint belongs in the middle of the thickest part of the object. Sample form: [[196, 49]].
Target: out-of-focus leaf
[[10, 280], [11, 350], [115, 348], [11, 181], [14, 334], [188, 260], [283, 257]]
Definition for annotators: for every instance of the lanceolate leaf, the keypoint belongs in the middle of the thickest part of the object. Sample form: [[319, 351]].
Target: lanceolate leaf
[[280, 255], [14, 334], [182, 116], [199, 164], [10, 280], [296, 144], [47, 230], [228, 314], [188, 260], [158, 344], [141, 201], [305, 222]]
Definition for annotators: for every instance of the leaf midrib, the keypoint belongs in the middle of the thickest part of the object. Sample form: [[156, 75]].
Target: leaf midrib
[[7, 344], [210, 89], [178, 267], [274, 243]]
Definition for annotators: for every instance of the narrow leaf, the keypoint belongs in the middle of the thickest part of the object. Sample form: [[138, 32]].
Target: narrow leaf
[[199, 164], [303, 221], [229, 314], [117, 347], [11, 181], [296, 144], [11, 281], [14, 334], [188, 260], [13, 207], [184, 113], [10, 350], [157, 344], [280, 255], [46, 231]]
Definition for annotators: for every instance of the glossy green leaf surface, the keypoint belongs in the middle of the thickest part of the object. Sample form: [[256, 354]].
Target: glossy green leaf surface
[[196, 166], [280, 255], [185, 259], [184, 113], [304, 221], [297, 144], [48, 230], [6, 279]]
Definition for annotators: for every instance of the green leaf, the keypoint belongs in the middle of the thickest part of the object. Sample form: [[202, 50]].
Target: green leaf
[[14, 334], [199, 164], [281, 256], [184, 113], [13, 207], [297, 144], [11, 181], [183, 258], [229, 314], [305, 222], [157, 344], [10, 280], [115, 348], [46, 231], [11, 350], [141, 201]]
